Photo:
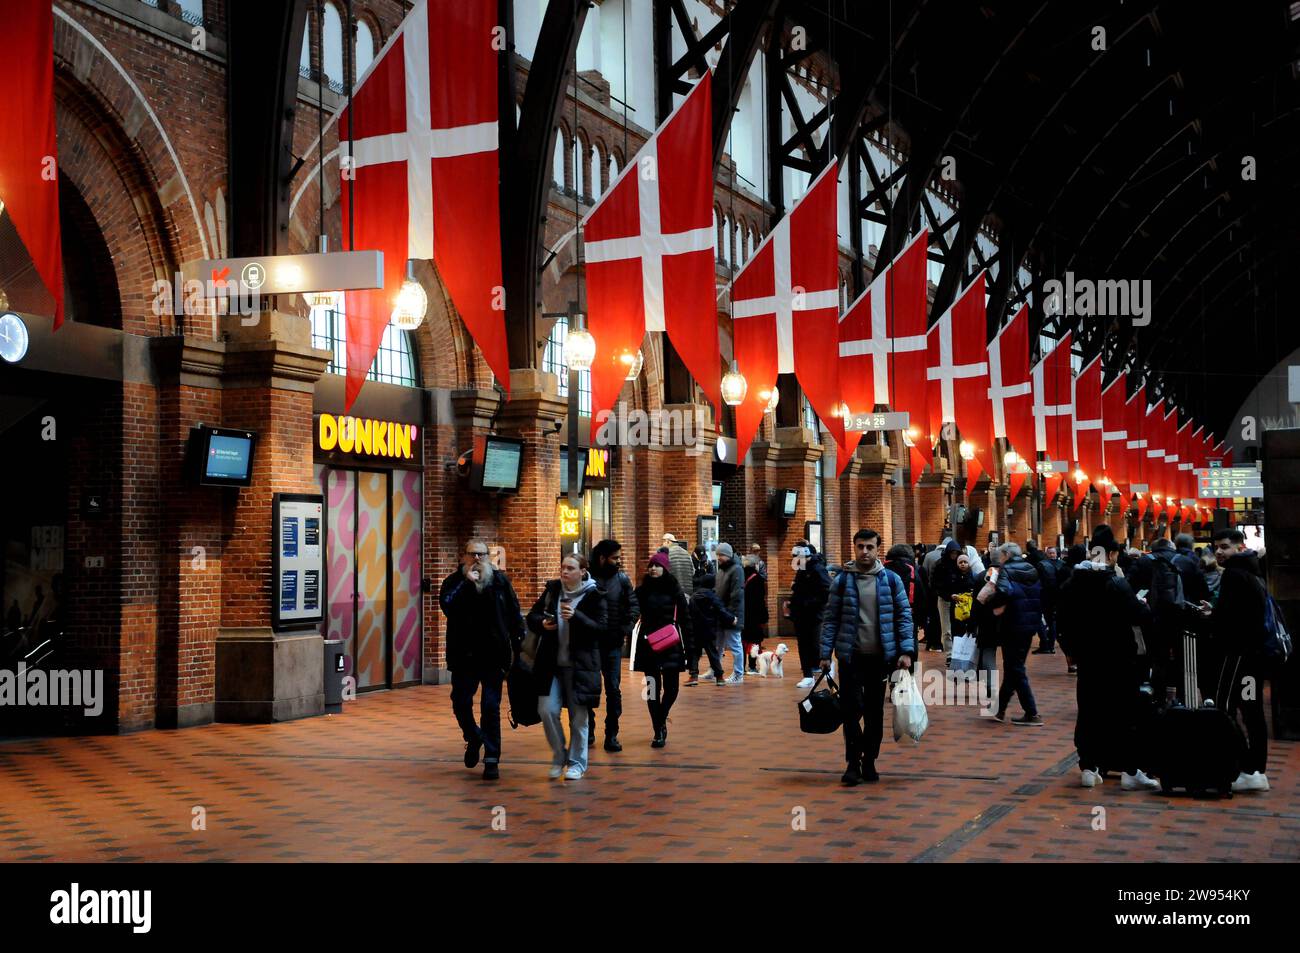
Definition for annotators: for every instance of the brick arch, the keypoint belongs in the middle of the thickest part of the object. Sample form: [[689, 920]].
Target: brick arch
[[115, 179], [444, 350], [82, 61]]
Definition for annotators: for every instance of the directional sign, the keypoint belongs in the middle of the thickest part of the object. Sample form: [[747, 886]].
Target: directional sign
[[890, 420], [1220, 482], [1053, 466], [296, 274]]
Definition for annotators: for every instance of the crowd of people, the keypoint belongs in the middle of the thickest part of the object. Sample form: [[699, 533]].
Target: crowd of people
[[1121, 616]]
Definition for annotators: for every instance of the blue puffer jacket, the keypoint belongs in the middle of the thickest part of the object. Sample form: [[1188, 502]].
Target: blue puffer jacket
[[1021, 591], [894, 617]]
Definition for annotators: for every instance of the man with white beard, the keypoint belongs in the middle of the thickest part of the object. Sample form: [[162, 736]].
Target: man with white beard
[[484, 631]]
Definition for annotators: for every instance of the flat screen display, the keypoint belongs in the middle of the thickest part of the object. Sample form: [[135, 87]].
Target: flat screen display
[[501, 459], [717, 496], [226, 456], [789, 499]]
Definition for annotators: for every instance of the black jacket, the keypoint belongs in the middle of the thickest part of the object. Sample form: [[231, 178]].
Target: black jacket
[[1195, 589], [1237, 622], [906, 570], [1048, 575], [585, 630], [1020, 591], [662, 602], [708, 615], [1097, 612], [808, 594], [621, 608], [483, 629]]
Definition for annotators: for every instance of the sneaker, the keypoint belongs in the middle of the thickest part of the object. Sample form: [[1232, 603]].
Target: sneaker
[[707, 674], [1072, 670], [1000, 717], [1250, 782], [852, 776], [692, 681], [719, 680], [574, 773], [660, 739], [807, 682], [736, 679], [1028, 721], [1091, 778], [869, 772], [472, 751], [611, 744], [1136, 782], [490, 771], [556, 771]]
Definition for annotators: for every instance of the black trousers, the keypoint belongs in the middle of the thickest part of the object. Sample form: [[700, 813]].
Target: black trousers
[[1105, 730], [663, 692], [863, 685], [1241, 689], [707, 644], [611, 660], [809, 637]]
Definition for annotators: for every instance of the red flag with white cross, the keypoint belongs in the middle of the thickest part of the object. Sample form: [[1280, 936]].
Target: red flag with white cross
[[648, 245], [1054, 404], [883, 350], [958, 373], [425, 160], [1011, 391]]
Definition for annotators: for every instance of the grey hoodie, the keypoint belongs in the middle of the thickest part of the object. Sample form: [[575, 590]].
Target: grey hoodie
[[562, 659]]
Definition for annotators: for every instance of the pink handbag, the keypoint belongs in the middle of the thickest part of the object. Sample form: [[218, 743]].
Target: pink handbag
[[665, 638]]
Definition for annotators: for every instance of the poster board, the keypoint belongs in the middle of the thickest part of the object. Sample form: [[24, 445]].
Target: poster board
[[812, 531], [297, 561], [706, 531]]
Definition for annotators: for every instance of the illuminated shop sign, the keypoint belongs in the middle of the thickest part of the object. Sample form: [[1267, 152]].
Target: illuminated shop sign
[[364, 437]]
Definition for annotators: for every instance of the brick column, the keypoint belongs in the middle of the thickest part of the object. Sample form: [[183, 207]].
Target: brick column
[[1053, 521], [930, 495], [527, 526], [876, 494], [1018, 526], [685, 480], [269, 375]]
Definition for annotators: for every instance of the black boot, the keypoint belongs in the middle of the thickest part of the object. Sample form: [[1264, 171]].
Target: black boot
[[661, 737], [611, 743], [852, 775], [869, 771]]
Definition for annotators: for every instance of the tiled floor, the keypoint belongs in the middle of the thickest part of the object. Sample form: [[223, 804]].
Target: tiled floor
[[384, 781]]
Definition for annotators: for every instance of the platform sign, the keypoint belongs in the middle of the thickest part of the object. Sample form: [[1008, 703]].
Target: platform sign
[[877, 421], [1221, 482], [298, 573]]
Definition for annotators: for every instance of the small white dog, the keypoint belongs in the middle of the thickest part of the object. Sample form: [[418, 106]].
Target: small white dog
[[769, 662]]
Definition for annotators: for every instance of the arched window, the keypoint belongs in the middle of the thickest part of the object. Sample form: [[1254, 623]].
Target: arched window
[[332, 48], [613, 167], [738, 244], [395, 362], [304, 61], [365, 48], [557, 172], [579, 167], [596, 186]]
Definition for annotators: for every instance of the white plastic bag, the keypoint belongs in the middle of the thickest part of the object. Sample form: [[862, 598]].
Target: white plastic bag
[[964, 651], [910, 716]]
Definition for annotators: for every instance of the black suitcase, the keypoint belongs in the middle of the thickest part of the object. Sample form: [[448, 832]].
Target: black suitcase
[[521, 689], [1196, 748]]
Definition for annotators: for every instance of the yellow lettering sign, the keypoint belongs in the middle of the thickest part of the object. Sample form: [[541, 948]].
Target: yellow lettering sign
[[379, 438], [568, 519], [596, 460]]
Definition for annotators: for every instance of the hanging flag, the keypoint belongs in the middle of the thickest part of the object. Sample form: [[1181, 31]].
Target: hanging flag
[[1114, 436], [648, 245], [1088, 432], [883, 345], [29, 183], [1016, 482], [1011, 391], [786, 305], [1171, 456], [958, 373], [426, 176], [1136, 444], [1053, 404]]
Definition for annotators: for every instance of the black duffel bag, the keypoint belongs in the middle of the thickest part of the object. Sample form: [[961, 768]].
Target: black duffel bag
[[819, 713], [521, 688]]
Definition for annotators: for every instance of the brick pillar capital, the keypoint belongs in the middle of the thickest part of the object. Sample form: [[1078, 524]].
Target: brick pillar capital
[[475, 408], [796, 445], [874, 460], [535, 402]]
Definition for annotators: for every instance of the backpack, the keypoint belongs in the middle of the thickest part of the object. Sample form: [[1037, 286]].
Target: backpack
[[1161, 607], [1277, 637]]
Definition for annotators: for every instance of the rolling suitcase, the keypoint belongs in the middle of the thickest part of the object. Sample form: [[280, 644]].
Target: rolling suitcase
[[1196, 747]]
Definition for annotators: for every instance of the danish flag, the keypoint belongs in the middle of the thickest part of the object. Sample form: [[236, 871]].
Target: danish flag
[[648, 244], [426, 175], [1114, 437], [958, 373], [883, 348], [1011, 392], [1088, 434], [1053, 397], [786, 304]]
